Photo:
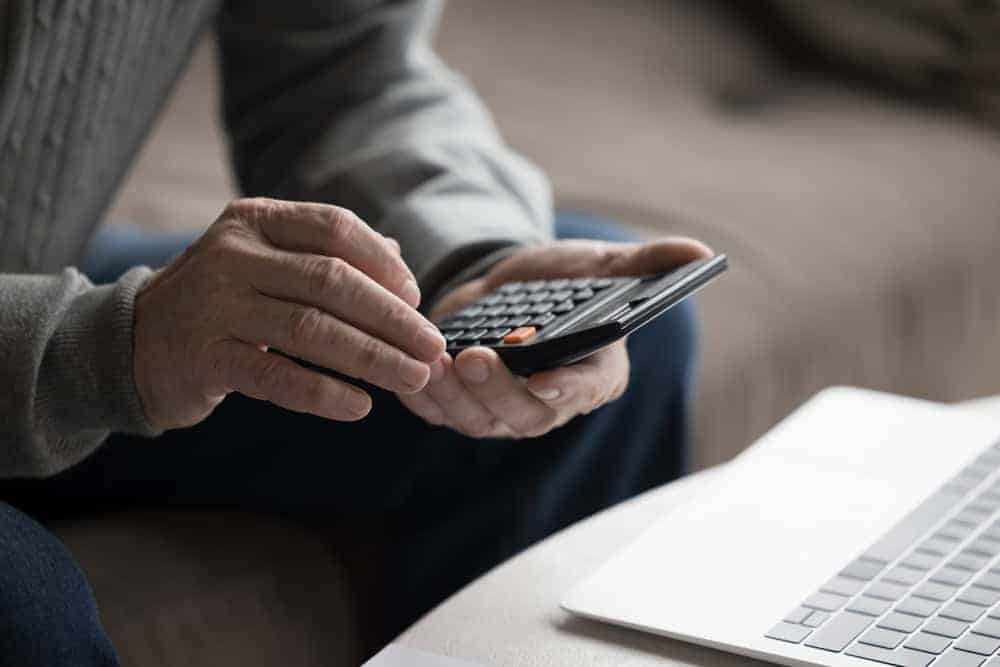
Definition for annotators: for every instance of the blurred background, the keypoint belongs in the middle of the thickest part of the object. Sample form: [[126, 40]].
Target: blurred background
[[844, 154]]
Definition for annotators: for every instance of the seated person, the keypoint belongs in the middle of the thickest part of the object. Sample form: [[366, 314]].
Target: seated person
[[127, 385]]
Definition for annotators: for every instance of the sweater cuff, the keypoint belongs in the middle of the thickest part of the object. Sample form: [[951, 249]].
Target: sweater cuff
[[90, 357]]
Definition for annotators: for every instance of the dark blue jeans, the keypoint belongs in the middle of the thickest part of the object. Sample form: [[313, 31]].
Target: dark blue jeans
[[440, 507]]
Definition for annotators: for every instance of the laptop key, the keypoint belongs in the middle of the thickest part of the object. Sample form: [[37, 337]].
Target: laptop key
[[917, 607], [886, 591], [816, 619], [928, 643], [988, 626], [900, 622], [869, 606], [946, 627], [956, 658], [968, 561], [984, 597], [839, 631], [798, 615], [978, 644], [920, 561], [951, 575], [863, 569], [962, 611], [787, 632], [882, 637], [903, 575], [843, 586], [935, 591], [825, 601], [900, 658]]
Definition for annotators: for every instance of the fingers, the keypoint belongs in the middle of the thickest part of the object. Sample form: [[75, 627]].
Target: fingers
[[461, 409], [504, 396], [585, 386], [311, 334], [338, 288], [660, 255], [239, 366], [335, 232]]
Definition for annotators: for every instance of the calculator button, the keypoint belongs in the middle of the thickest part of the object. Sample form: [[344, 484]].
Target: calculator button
[[542, 321], [453, 335], [519, 309], [579, 283], [558, 283], [493, 311], [471, 311], [495, 336], [491, 300], [473, 322], [562, 295], [494, 322], [602, 283], [583, 295], [517, 297], [541, 308], [518, 321], [452, 324], [542, 295], [534, 285], [473, 335], [520, 335], [511, 287], [563, 307]]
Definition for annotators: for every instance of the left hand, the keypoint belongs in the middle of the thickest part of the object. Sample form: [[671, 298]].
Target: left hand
[[478, 396]]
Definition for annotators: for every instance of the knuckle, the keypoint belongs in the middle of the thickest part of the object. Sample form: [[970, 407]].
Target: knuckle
[[368, 354], [539, 424], [326, 274], [304, 325], [266, 376], [341, 223]]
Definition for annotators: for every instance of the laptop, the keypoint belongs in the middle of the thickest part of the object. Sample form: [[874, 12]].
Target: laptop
[[862, 530]]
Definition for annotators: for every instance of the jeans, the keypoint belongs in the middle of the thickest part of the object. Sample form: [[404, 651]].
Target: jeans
[[445, 508]]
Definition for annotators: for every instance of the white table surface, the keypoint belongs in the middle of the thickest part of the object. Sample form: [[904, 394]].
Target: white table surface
[[511, 615]]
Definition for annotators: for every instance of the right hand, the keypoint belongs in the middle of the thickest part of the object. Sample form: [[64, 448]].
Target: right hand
[[312, 280]]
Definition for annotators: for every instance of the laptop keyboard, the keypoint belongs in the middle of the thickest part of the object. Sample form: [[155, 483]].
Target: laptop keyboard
[[926, 593]]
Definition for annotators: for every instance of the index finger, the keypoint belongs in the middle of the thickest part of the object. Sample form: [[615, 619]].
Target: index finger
[[329, 230]]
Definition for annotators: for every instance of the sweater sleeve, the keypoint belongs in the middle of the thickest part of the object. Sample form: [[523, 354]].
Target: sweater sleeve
[[65, 369], [347, 103]]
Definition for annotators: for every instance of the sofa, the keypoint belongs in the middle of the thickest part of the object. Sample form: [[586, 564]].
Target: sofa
[[863, 230]]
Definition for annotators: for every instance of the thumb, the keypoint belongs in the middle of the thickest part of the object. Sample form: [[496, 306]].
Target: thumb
[[663, 254]]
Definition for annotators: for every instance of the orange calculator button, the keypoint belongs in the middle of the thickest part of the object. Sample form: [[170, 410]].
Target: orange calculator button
[[520, 335]]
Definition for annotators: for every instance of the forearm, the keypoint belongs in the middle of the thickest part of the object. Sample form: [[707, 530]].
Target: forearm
[[364, 115], [65, 369]]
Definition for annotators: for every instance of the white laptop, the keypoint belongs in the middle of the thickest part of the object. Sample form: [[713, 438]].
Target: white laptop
[[862, 530]]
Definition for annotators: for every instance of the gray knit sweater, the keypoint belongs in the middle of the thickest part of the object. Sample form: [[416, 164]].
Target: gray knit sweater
[[339, 101]]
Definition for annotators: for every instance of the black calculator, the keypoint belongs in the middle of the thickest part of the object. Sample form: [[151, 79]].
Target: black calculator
[[543, 324]]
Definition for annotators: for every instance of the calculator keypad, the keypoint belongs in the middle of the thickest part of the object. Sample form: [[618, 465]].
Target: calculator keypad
[[516, 312]]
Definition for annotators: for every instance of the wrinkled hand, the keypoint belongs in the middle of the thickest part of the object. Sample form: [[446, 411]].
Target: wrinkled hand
[[477, 395], [309, 279]]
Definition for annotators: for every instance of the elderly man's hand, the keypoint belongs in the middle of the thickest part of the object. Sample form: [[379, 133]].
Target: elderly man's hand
[[309, 279], [477, 395]]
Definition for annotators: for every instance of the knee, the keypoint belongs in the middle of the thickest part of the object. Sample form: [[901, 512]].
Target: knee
[[48, 615]]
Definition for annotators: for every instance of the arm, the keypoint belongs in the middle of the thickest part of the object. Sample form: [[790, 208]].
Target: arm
[[347, 103], [65, 369]]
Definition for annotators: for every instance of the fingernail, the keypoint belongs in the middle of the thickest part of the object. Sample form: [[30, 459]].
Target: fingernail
[[474, 370], [546, 394], [414, 374], [411, 293], [358, 404], [432, 342]]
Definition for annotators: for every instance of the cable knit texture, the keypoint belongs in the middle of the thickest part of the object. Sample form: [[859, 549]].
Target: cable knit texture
[[340, 101]]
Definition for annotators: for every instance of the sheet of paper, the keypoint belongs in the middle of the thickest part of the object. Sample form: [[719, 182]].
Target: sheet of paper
[[395, 655]]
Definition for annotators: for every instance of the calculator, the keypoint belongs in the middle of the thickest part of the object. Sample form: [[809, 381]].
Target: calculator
[[542, 324]]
